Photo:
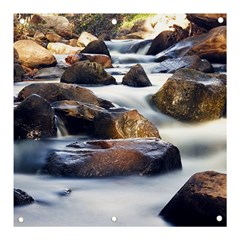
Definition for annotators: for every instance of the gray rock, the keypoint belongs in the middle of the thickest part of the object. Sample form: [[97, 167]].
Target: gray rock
[[21, 198]]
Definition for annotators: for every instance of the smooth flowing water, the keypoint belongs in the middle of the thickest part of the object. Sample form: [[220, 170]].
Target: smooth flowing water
[[133, 200]]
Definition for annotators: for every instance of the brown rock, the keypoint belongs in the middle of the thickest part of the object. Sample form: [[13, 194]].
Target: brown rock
[[207, 21], [190, 95], [96, 47], [62, 91], [73, 42], [33, 55], [136, 77], [142, 25], [86, 72], [34, 119], [53, 37], [61, 48], [114, 158], [210, 46], [104, 60], [199, 202]]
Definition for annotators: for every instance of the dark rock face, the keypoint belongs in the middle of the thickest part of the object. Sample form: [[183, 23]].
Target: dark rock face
[[97, 47], [207, 21], [34, 119], [193, 62], [62, 91], [114, 158], [136, 77], [87, 73], [112, 123], [210, 46], [21, 198], [199, 201], [123, 123], [190, 95]]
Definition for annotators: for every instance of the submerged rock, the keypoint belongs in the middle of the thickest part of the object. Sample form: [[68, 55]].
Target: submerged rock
[[136, 77], [193, 62], [33, 55], [34, 119], [87, 73], [21, 198], [103, 158], [190, 95], [112, 123], [211, 46], [48, 73], [199, 202], [62, 91]]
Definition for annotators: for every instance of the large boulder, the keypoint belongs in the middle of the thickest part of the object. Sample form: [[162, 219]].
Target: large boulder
[[104, 158], [136, 77], [21, 198], [61, 48], [87, 72], [62, 91], [96, 47], [33, 55], [113, 123], [211, 46], [200, 202], [34, 119], [190, 95], [207, 20], [85, 38], [193, 62]]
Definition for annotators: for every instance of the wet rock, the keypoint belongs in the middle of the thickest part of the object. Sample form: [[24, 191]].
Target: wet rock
[[18, 69], [112, 123], [210, 46], [86, 72], [61, 48], [96, 47], [123, 123], [62, 91], [104, 60], [193, 62], [33, 55], [49, 73], [85, 38], [190, 95], [199, 201], [34, 119], [207, 21], [21, 198], [104, 158], [136, 77]]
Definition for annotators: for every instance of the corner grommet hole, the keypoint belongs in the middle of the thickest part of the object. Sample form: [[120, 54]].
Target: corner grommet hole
[[20, 219], [219, 218], [220, 19]]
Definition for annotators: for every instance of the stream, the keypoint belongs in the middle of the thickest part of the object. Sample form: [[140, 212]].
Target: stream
[[133, 200]]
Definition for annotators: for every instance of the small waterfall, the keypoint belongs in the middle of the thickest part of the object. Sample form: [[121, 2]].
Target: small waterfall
[[61, 129]]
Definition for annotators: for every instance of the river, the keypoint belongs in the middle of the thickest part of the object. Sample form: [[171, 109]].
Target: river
[[133, 200]]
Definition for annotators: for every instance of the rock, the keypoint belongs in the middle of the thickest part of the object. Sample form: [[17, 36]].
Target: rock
[[136, 77], [190, 95], [199, 202], [193, 62], [123, 123], [210, 46], [102, 59], [113, 123], [18, 72], [167, 38], [207, 21], [21, 198], [33, 55], [61, 48], [58, 24], [34, 119], [87, 73], [86, 38], [96, 47], [62, 91], [49, 73], [114, 158], [73, 42], [142, 25], [53, 37], [39, 36]]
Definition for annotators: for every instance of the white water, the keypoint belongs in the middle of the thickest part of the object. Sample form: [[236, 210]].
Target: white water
[[134, 200]]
